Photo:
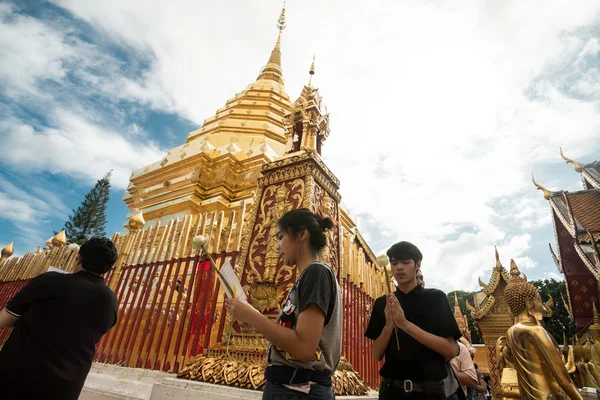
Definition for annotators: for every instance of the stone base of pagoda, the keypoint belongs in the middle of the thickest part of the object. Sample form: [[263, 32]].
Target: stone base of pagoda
[[170, 388]]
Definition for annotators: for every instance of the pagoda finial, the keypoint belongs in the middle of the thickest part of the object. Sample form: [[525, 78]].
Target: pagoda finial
[[281, 24], [311, 71], [456, 302], [273, 68], [498, 263], [547, 193], [576, 166], [514, 270]]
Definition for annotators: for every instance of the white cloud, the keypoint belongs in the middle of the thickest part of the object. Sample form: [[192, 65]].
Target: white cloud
[[29, 51], [439, 111], [75, 147], [28, 210]]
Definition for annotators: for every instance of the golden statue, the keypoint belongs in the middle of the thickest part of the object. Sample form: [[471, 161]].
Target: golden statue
[[328, 210], [539, 366], [272, 252]]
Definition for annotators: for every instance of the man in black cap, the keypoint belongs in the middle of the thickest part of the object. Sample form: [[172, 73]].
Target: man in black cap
[[57, 320], [415, 363]]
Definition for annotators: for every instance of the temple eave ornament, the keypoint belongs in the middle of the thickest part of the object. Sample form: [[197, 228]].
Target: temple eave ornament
[[576, 166], [547, 194]]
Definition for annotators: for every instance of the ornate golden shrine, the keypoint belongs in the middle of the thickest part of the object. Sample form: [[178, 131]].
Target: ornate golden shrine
[[299, 179], [491, 315]]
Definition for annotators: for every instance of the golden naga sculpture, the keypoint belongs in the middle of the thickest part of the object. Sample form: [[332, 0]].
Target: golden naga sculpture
[[540, 369]]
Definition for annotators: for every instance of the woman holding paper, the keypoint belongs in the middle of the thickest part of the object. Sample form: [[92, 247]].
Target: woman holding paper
[[305, 339]]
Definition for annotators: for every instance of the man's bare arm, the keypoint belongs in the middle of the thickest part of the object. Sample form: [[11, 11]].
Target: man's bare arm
[[7, 320]]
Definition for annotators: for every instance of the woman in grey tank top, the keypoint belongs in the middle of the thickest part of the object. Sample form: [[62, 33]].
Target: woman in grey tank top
[[305, 339]]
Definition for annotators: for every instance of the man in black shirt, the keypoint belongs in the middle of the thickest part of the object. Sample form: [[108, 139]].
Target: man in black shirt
[[57, 320], [426, 330]]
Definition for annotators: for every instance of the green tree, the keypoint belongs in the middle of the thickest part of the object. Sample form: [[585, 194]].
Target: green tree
[[462, 297], [89, 219], [560, 322]]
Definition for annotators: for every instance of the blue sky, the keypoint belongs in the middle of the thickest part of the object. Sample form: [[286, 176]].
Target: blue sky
[[439, 112]]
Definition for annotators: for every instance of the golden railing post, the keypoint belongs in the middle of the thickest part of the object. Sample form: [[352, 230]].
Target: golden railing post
[[57, 242], [6, 253], [135, 224]]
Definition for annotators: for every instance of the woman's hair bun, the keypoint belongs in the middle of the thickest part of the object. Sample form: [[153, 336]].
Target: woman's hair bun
[[325, 223]]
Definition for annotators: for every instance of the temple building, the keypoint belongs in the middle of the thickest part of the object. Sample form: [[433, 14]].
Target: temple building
[[576, 218], [233, 178]]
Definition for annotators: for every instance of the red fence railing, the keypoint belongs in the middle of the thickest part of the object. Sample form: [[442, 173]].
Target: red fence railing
[[7, 291], [355, 346], [166, 314]]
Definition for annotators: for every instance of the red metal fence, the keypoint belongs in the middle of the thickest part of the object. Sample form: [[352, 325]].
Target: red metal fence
[[355, 346], [168, 312], [7, 291]]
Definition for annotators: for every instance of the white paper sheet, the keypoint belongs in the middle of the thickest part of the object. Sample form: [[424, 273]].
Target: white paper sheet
[[228, 273]]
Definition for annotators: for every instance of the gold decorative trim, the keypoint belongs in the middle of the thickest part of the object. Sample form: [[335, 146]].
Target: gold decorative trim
[[567, 224], [249, 373], [302, 156]]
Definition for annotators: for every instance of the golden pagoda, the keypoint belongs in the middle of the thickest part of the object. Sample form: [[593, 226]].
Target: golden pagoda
[[256, 158], [461, 320], [576, 218], [218, 166]]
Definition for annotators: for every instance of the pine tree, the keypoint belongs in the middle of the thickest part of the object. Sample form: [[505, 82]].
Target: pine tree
[[90, 218]]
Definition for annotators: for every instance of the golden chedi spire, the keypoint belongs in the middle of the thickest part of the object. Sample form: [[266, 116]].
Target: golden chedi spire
[[457, 311], [546, 192], [311, 71], [273, 68], [576, 166]]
